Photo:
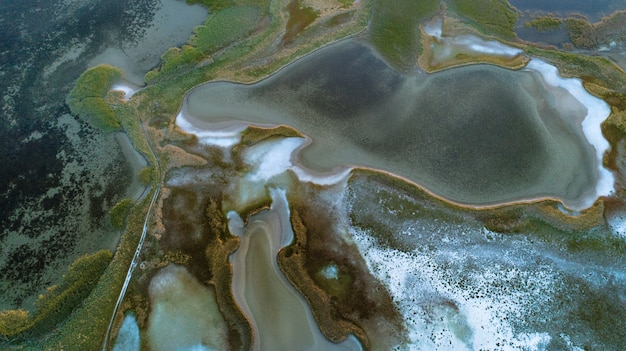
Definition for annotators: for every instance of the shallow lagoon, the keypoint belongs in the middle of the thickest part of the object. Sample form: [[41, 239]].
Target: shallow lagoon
[[505, 136], [280, 316]]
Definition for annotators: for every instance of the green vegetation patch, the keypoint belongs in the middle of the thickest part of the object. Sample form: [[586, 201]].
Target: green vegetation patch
[[300, 17], [59, 301], [145, 175], [545, 23], [581, 32], [213, 5], [494, 17], [119, 212], [394, 28], [225, 27], [592, 69], [219, 30], [254, 135], [217, 5], [87, 98]]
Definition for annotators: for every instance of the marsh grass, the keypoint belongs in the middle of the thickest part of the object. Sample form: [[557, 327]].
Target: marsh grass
[[87, 97], [581, 32], [58, 302], [300, 17], [213, 5], [591, 69], [221, 29], [254, 135], [119, 212], [145, 175], [225, 27], [393, 28], [84, 329], [544, 23], [490, 17], [541, 221]]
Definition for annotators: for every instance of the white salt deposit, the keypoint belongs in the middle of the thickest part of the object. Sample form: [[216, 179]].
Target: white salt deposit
[[481, 316], [274, 157], [434, 28], [617, 223], [597, 111], [305, 175], [127, 88], [268, 158], [331, 271], [490, 47], [271, 158], [468, 43], [225, 138]]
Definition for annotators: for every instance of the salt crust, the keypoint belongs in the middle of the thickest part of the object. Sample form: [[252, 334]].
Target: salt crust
[[276, 157], [470, 42], [225, 138], [597, 111], [126, 88], [411, 276]]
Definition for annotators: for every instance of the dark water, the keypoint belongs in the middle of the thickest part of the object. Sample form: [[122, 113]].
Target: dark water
[[477, 134], [59, 176]]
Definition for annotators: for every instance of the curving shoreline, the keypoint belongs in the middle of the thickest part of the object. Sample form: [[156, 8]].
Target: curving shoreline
[[247, 103]]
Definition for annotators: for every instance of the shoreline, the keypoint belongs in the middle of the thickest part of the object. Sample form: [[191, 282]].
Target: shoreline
[[228, 133]]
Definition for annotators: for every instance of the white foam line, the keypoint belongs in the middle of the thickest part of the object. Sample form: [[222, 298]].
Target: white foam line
[[597, 112]]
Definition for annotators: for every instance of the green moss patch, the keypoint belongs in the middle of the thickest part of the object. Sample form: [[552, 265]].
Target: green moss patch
[[145, 175], [225, 27], [393, 28], [491, 17], [544, 23], [300, 17], [87, 98], [581, 32], [119, 212], [220, 30]]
